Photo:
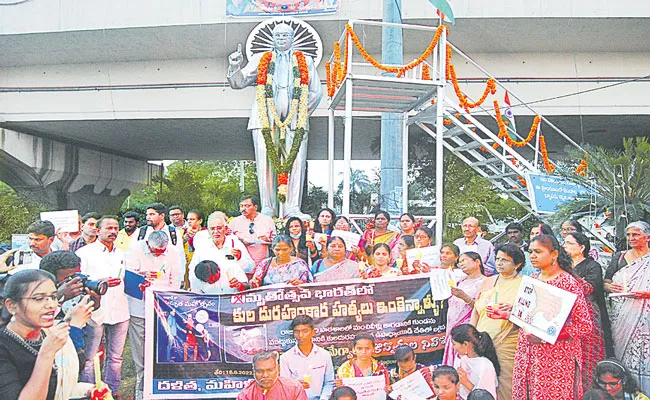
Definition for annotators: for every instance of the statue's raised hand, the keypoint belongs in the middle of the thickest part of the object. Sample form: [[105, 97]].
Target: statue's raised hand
[[236, 58]]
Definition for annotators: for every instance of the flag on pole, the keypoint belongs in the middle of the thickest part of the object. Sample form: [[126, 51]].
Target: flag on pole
[[509, 117], [444, 10]]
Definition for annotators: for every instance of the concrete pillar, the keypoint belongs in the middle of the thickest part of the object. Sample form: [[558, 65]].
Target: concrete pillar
[[391, 124]]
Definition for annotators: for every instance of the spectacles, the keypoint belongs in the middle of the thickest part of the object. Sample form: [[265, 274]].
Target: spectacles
[[571, 243], [42, 299], [610, 384], [568, 230], [502, 261], [251, 227]]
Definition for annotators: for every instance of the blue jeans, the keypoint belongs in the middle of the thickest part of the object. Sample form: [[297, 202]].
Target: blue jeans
[[113, 348]]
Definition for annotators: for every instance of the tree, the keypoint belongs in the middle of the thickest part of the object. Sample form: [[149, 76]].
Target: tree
[[16, 212], [620, 181], [361, 191], [203, 185]]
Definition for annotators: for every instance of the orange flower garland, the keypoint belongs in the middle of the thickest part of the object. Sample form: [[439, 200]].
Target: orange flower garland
[[503, 131], [263, 68], [582, 168], [330, 88], [398, 70], [426, 72], [547, 163]]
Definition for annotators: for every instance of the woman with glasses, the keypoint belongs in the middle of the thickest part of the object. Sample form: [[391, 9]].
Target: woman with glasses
[[545, 371], [492, 310], [629, 274], [38, 360], [381, 234], [461, 303], [282, 268], [612, 377], [600, 341]]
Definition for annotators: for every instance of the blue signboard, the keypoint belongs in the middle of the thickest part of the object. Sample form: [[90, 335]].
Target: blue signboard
[[548, 193]]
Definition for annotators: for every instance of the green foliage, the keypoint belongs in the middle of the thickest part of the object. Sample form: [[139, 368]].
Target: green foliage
[[16, 212], [314, 200], [203, 185], [620, 180], [362, 189]]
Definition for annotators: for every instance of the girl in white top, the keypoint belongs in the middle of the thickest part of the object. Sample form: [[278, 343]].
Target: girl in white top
[[478, 366]]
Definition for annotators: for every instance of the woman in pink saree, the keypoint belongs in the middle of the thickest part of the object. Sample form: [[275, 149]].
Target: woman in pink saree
[[461, 303]]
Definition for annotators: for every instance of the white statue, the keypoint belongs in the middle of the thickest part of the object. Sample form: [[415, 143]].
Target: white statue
[[285, 75]]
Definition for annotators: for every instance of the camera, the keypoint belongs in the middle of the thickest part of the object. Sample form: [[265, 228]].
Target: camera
[[98, 287]]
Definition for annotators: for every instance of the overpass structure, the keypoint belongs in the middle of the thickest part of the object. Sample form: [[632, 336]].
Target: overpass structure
[[91, 90]]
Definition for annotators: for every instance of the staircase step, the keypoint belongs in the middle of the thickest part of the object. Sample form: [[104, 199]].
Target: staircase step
[[471, 146], [489, 161], [504, 175]]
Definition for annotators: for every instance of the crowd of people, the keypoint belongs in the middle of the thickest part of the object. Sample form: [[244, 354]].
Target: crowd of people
[[66, 297]]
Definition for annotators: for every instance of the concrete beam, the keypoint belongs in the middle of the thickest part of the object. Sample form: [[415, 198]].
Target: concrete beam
[[64, 176]]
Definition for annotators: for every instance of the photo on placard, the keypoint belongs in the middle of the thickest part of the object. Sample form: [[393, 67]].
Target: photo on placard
[[242, 343]]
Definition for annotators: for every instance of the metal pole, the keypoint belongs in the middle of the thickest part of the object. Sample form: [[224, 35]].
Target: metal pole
[[347, 147], [440, 104], [242, 175], [405, 162], [330, 158]]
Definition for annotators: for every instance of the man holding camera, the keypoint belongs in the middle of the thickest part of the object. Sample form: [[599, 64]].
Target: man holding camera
[[102, 260]]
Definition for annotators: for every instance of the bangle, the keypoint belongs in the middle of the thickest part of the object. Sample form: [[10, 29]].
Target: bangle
[[470, 301]]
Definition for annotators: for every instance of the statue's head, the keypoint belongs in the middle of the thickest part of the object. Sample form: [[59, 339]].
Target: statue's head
[[282, 37]]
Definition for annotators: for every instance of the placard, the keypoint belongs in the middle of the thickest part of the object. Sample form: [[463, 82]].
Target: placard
[[441, 283], [412, 387], [20, 241], [429, 255], [66, 221], [253, 8], [229, 329], [350, 238], [541, 309], [367, 387]]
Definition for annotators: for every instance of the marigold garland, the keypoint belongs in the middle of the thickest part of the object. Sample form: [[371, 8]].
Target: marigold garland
[[299, 107], [582, 168], [426, 72], [542, 148], [503, 130]]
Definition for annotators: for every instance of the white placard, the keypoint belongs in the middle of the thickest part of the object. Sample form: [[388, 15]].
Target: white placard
[[20, 241], [67, 221], [412, 387], [368, 387], [350, 238], [441, 282], [429, 255], [541, 309]]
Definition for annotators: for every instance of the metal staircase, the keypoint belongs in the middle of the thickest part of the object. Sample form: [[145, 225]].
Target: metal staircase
[[430, 104]]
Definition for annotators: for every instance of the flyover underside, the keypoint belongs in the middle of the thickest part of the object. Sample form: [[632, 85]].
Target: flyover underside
[[228, 139]]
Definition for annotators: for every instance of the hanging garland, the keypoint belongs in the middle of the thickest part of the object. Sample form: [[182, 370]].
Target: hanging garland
[[582, 168], [266, 106], [335, 74]]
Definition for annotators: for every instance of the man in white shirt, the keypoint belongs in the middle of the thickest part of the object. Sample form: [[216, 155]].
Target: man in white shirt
[[310, 364], [471, 241], [102, 260], [156, 222], [255, 230], [158, 263], [225, 250]]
